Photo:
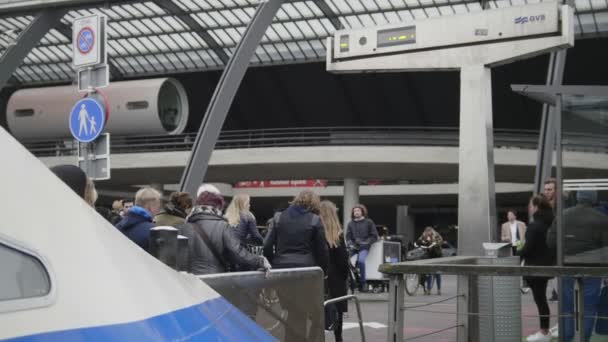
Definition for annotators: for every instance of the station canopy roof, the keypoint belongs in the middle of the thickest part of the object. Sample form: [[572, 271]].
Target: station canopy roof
[[161, 37]]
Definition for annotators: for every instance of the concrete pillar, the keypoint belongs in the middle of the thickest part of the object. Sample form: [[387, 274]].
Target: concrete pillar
[[351, 198], [476, 196], [405, 224], [158, 187]]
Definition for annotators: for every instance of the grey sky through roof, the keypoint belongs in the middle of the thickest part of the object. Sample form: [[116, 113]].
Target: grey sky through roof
[[161, 37]]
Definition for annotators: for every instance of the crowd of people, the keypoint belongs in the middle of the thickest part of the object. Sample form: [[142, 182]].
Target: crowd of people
[[584, 224], [307, 232]]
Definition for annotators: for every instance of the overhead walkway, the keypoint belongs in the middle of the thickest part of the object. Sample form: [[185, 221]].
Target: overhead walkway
[[424, 154]]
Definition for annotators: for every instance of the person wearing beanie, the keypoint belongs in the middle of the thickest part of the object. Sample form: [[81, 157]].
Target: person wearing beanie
[[77, 180], [137, 222], [585, 231], [72, 176], [212, 246]]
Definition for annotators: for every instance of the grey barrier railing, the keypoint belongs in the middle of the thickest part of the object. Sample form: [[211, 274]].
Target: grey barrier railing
[[468, 269], [288, 303], [330, 136]]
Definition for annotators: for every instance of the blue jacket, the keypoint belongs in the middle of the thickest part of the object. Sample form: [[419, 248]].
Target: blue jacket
[[136, 226], [248, 231]]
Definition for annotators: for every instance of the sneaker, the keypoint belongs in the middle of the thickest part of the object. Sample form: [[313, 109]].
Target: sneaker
[[554, 331], [539, 337]]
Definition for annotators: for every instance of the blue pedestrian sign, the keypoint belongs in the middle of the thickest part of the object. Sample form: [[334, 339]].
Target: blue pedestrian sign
[[87, 120]]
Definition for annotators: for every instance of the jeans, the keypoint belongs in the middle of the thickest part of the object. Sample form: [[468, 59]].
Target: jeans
[[592, 288], [538, 286], [361, 255], [429, 281]]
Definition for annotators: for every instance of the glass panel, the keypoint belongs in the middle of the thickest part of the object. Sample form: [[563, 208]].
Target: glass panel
[[275, 302], [23, 276], [585, 214]]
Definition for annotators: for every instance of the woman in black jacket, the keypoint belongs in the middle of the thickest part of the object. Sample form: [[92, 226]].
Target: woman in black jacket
[[536, 253], [298, 240], [337, 270]]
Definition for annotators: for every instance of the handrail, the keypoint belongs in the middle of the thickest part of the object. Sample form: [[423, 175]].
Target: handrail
[[358, 306], [319, 136]]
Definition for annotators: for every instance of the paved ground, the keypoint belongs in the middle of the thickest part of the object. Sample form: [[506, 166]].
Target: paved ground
[[420, 321]]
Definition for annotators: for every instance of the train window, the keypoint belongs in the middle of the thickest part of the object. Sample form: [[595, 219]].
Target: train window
[[137, 105], [20, 113], [23, 275]]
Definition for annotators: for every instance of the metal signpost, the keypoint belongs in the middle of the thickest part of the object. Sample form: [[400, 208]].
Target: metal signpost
[[90, 115]]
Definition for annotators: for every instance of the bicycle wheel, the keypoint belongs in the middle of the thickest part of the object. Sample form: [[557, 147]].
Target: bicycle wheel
[[411, 284]]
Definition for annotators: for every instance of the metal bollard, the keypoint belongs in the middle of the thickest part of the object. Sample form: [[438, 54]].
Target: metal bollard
[[163, 245], [182, 253]]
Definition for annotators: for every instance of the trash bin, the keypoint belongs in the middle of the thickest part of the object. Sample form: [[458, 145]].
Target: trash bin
[[499, 298]]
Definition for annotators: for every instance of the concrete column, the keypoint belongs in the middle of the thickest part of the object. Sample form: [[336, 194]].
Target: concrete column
[[405, 224], [158, 187], [351, 198], [476, 196]]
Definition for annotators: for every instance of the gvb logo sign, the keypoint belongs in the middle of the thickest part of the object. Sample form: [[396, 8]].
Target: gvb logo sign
[[530, 19]]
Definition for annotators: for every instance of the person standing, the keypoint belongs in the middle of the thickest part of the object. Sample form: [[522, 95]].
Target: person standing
[[513, 231], [361, 233], [585, 230], [337, 271], [138, 221], [535, 252], [298, 240], [431, 241], [242, 221], [175, 211]]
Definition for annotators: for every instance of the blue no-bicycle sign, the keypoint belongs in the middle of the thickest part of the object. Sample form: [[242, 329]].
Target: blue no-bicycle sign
[[85, 40]]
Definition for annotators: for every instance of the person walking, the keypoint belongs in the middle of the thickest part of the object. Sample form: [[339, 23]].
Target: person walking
[[361, 233], [298, 240], [535, 252], [242, 221], [513, 231], [337, 271], [431, 241]]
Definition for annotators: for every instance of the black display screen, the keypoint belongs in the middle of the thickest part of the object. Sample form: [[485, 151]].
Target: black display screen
[[397, 36]]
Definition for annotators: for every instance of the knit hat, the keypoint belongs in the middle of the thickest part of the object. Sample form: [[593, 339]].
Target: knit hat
[[211, 199], [207, 188], [586, 196], [72, 176]]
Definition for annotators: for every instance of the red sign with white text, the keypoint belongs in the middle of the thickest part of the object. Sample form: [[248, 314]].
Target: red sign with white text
[[304, 183]]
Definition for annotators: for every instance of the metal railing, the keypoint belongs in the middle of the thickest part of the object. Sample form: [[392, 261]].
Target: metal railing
[[357, 306], [322, 136], [467, 269]]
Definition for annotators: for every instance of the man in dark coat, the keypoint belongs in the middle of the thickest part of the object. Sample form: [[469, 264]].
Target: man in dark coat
[[585, 231], [361, 233], [138, 221]]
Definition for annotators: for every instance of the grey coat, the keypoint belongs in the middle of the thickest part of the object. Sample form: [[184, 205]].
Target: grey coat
[[201, 259]]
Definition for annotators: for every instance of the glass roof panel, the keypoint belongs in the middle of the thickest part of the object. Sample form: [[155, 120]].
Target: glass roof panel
[[582, 5], [602, 21]]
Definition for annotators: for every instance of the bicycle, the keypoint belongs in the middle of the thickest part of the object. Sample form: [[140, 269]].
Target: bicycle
[[415, 281]]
